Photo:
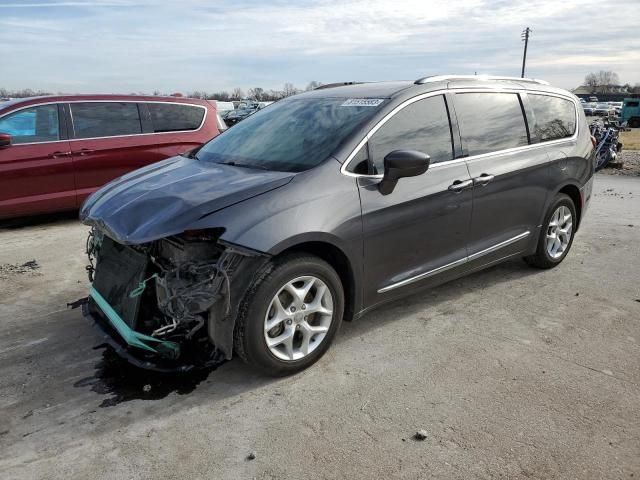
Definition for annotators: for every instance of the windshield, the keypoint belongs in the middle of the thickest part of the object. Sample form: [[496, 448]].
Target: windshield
[[291, 135], [602, 105]]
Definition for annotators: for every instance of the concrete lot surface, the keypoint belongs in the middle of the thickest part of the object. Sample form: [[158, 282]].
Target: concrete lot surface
[[512, 372]]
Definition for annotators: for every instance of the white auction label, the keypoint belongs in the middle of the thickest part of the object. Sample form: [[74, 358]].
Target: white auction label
[[362, 102]]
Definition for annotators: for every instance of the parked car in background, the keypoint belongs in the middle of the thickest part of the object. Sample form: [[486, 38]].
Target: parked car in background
[[589, 108], [224, 106], [604, 110], [57, 150], [241, 113], [630, 112], [617, 106], [326, 205], [593, 98]]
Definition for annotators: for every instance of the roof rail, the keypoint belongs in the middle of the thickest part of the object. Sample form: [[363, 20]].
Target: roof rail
[[440, 78], [337, 84]]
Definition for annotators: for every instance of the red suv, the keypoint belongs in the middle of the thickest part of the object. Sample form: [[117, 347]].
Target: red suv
[[55, 151]]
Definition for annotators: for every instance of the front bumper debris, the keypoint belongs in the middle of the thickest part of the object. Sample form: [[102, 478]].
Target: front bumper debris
[[169, 305]]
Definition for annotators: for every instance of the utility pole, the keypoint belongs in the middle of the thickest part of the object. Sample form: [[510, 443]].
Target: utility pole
[[525, 38]]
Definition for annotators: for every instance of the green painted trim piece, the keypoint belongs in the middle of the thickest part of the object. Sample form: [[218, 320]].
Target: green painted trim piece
[[130, 336]]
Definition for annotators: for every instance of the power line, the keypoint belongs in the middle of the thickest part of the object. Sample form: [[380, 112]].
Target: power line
[[525, 38]]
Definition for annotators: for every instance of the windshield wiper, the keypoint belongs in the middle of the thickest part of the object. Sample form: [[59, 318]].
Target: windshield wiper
[[193, 155], [244, 165]]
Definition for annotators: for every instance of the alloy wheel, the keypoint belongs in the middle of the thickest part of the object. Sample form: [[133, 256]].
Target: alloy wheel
[[559, 232], [298, 318]]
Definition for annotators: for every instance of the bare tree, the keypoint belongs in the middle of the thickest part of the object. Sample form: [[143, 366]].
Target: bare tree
[[237, 94], [591, 81], [313, 85], [289, 89], [602, 81], [256, 93]]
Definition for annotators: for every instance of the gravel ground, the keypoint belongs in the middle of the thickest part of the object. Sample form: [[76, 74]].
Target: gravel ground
[[509, 373], [630, 166]]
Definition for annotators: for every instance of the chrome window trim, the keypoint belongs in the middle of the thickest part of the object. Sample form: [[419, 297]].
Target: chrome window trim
[[34, 106], [498, 89], [456, 263], [204, 118]]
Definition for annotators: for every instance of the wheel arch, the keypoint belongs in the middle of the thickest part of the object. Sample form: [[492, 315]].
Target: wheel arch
[[339, 261], [573, 192]]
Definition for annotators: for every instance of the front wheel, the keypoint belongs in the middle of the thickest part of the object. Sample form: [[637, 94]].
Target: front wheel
[[557, 234], [290, 315]]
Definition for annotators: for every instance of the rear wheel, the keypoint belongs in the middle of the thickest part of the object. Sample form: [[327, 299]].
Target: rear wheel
[[290, 315], [557, 235]]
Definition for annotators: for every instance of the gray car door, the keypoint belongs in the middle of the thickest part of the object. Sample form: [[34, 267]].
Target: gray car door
[[511, 177], [419, 231]]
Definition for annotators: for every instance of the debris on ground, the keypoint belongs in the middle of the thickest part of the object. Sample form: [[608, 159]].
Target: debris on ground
[[251, 456], [628, 165], [146, 388], [420, 435], [19, 268]]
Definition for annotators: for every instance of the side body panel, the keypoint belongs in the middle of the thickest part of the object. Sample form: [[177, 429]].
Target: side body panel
[[420, 227], [97, 161], [506, 210], [36, 178]]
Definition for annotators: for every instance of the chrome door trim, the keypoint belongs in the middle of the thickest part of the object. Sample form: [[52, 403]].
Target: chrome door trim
[[424, 275], [204, 118], [499, 89], [451, 265], [498, 246]]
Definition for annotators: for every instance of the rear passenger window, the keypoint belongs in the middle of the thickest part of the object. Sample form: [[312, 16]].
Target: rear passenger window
[[105, 119], [490, 122], [32, 125], [174, 117], [555, 117], [422, 125]]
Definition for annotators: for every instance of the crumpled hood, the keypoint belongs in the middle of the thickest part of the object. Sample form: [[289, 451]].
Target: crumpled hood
[[165, 198]]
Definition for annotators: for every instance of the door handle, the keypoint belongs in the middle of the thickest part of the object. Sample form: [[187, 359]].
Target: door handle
[[85, 151], [483, 179], [59, 154], [460, 185]]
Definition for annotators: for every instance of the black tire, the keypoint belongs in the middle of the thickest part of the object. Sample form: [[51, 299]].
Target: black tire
[[542, 259], [249, 341]]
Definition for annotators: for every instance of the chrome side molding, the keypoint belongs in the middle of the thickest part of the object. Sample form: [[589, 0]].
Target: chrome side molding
[[451, 265]]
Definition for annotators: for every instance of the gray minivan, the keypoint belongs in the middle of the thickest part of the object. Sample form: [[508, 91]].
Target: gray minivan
[[326, 205]]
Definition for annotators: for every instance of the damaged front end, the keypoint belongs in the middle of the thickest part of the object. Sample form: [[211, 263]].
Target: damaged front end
[[169, 304]]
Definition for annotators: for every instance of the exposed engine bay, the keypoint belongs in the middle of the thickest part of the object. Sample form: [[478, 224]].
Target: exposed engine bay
[[173, 300]]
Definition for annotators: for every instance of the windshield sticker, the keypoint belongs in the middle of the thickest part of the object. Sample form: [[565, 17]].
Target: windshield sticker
[[362, 102]]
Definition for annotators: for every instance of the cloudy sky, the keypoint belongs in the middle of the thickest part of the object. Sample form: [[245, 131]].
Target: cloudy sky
[[141, 45]]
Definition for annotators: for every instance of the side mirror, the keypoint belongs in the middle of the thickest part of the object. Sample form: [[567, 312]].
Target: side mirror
[[402, 163], [5, 140]]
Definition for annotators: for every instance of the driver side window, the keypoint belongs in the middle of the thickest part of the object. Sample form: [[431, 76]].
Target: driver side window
[[32, 125], [422, 125]]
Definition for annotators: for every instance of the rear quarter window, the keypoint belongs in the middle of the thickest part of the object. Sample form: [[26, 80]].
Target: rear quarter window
[[175, 117], [490, 122], [555, 117]]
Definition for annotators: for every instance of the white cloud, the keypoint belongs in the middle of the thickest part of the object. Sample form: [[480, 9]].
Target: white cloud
[[129, 45]]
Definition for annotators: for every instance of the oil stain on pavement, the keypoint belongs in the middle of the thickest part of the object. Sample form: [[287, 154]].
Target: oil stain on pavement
[[124, 382]]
